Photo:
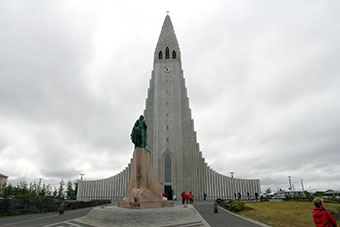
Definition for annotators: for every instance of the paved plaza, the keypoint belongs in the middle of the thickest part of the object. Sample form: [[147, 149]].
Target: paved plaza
[[199, 214]]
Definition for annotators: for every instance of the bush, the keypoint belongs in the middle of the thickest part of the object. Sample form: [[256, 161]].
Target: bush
[[233, 205], [236, 206]]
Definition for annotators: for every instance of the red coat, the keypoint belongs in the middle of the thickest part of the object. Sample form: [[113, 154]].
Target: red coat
[[184, 196], [322, 217], [191, 196]]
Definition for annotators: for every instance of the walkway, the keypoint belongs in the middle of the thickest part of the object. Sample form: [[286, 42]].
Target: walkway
[[223, 218]]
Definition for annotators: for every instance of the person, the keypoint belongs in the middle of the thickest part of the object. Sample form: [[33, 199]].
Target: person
[[187, 198], [205, 196], [183, 195], [238, 196], [174, 197], [256, 195], [191, 197], [248, 195], [321, 216]]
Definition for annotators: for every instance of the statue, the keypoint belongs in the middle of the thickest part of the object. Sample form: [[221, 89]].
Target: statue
[[144, 189], [138, 134]]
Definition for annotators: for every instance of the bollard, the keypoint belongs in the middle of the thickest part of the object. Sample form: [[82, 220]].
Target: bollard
[[215, 207]]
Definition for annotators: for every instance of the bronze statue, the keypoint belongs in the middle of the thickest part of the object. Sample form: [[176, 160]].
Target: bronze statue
[[138, 134]]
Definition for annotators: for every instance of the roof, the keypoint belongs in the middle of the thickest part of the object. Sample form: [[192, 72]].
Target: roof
[[1, 175], [167, 38]]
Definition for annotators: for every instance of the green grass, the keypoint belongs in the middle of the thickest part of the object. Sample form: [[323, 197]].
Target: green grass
[[285, 213]]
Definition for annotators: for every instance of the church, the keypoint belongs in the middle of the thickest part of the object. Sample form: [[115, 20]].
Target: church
[[176, 156]]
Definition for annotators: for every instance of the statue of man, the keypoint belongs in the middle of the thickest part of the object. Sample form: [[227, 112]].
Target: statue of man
[[138, 134]]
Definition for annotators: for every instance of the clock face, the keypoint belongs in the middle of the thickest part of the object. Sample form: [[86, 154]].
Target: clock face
[[167, 69]]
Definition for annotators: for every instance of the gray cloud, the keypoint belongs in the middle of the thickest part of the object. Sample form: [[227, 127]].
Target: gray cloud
[[74, 78]]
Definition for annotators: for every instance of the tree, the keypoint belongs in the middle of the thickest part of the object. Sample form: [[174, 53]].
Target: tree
[[43, 190], [61, 188], [75, 188], [55, 191], [70, 192], [49, 190]]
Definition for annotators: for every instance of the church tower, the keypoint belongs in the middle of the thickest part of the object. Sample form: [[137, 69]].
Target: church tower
[[167, 111], [177, 159]]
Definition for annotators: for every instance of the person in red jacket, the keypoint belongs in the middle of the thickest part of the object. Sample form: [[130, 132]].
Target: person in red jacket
[[187, 197], [191, 196], [322, 217], [184, 196]]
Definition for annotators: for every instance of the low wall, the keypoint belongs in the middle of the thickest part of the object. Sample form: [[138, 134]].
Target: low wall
[[40, 205]]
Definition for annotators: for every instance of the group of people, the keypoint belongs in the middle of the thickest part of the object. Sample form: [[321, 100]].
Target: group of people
[[187, 197]]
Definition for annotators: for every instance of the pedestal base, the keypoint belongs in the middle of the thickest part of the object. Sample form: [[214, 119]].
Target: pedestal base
[[113, 216], [145, 204]]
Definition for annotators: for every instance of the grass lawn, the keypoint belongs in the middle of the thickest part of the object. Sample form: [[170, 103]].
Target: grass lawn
[[285, 213]]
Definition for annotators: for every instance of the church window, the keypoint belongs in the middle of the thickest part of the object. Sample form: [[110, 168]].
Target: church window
[[167, 114], [167, 127], [167, 168], [167, 139], [173, 54], [167, 102], [167, 53], [160, 55]]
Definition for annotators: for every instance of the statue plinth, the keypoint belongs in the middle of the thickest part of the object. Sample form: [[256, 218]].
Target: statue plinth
[[144, 189]]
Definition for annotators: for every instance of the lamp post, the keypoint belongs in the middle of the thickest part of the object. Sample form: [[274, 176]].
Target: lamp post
[[232, 184], [303, 189], [290, 185]]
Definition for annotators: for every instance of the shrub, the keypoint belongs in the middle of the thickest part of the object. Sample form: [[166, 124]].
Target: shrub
[[232, 205], [236, 206]]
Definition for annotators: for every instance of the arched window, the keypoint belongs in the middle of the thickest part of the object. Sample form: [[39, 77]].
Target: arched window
[[167, 168], [167, 53], [173, 54], [160, 55]]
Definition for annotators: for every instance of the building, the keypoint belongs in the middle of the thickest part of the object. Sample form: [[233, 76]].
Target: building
[[332, 194], [3, 182], [177, 159]]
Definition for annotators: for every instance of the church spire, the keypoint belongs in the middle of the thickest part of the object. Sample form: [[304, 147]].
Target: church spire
[[167, 41]]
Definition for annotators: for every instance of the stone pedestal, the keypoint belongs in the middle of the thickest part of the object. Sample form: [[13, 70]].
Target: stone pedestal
[[144, 189]]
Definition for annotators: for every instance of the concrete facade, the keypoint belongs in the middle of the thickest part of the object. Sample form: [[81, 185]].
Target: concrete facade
[[3, 180], [177, 159]]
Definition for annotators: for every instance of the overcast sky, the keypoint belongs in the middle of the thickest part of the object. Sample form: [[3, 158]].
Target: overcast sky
[[263, 81]]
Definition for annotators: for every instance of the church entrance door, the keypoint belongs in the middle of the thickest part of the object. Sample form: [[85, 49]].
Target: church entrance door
[[168, 191]]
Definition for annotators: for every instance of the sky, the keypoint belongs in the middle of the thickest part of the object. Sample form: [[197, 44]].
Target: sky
[[263, 80]]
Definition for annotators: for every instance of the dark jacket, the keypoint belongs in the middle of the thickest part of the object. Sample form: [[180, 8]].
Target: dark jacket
[[323, 218]]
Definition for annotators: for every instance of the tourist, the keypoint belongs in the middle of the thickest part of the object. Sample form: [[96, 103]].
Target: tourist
[[321, 216], [183, 195], [248, 195], [174, 197], [256, 195], [187, 197], [205, 196], [191, 197], [239, 196]]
